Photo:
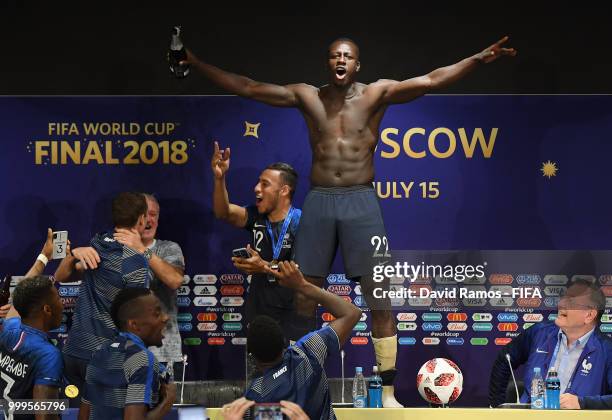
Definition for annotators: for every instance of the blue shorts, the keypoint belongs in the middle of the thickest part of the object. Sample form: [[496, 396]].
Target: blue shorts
[[345, 216]]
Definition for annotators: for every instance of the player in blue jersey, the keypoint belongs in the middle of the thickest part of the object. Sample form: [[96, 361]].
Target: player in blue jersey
[[297, 373], [273, 222], [30, 366], [124, 379], [119, 267]]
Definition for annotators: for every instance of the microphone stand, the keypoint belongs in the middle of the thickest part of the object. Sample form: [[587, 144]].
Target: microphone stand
[[518, 403], [183, 378], [342, 372]]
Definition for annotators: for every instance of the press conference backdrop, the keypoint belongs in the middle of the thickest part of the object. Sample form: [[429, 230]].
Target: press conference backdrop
[[452, 172]]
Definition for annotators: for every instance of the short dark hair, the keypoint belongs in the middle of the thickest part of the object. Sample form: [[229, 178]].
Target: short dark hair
[[265, 339], [120, 311], [345, 39], [31, 294], [596, 296], [127, 208], [288, 175]]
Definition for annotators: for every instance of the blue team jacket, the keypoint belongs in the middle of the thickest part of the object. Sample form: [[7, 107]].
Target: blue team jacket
[[592, 377]]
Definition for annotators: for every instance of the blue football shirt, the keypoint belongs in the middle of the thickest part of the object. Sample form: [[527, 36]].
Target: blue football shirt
[[92, 324], [300, 376], [27, 358], [120, 373]]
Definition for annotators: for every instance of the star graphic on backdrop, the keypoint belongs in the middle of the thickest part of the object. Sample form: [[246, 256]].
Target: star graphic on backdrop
[[549, 169], [251, 129]]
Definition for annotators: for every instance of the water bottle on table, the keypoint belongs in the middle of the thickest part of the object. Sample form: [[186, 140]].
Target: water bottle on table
[[360, 396], [375, 389], [553, 390], [537, 390]]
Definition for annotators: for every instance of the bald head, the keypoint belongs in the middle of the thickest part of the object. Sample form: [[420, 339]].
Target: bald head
[[344, 40]]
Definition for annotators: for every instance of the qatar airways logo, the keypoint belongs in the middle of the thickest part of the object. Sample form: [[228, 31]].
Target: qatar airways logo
[[340, 289]]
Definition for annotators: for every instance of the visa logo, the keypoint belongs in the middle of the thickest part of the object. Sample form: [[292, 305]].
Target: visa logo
[[455, 341]]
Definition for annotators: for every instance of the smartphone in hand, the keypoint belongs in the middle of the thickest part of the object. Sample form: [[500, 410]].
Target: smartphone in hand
[[60, 241], [241, 253], [267, 411]]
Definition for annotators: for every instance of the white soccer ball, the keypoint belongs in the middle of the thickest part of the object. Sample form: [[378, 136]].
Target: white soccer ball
[[440, 381]]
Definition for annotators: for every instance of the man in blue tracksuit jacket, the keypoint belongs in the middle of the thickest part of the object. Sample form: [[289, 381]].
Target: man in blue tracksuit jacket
[[573, 344]]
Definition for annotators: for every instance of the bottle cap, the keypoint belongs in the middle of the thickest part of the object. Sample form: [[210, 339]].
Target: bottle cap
[[358, 369], [375, 369], [536, 370]]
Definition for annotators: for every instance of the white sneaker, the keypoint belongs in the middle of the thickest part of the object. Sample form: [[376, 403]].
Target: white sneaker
[[388, 397]]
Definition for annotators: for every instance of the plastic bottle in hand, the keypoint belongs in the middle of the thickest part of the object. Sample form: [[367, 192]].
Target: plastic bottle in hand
[[176, 54], [537, 390], [553, 390], [360, 395], [375, 389]]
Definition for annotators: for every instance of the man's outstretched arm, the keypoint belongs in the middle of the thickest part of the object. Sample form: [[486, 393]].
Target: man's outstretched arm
[[394, 92], [223, 209], [271, 94]]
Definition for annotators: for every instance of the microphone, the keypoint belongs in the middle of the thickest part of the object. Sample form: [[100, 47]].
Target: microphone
[[342, 403], [342, 362], [183, 378], [518, 403], [518, 400]]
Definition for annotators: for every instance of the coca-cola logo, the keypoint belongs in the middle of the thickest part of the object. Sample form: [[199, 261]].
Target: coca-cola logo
[[232, 290], [500, 278], [529, 302], [359, 341]]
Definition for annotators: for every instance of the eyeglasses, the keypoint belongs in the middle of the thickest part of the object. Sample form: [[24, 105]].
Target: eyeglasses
[[571, 304]]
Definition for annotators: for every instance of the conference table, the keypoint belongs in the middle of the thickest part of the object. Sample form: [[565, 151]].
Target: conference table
[[430, 414], [453, 414]]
